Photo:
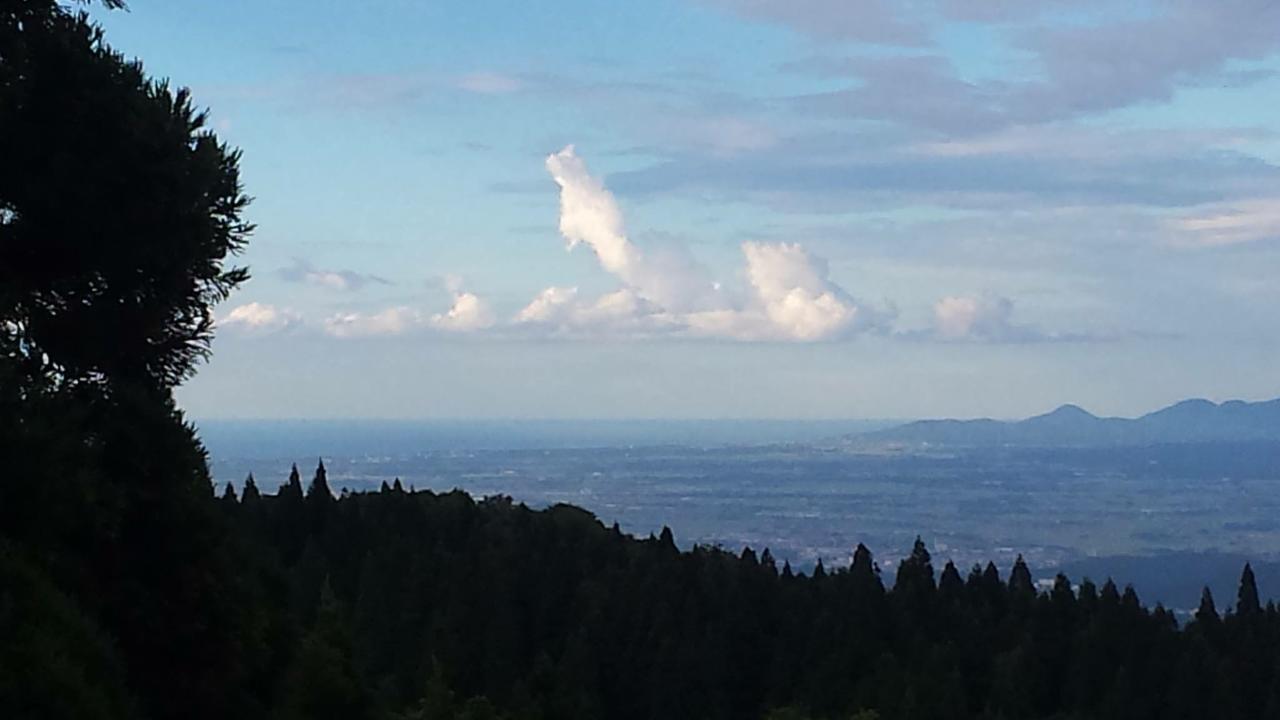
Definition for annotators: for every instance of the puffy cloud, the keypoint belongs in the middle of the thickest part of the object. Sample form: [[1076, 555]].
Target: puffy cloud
[[260, 318], [795, 293], [969, 316], [790, 296], [590, 215], [391, 321], [549, 305], [304, 272], [989, 318], [468, 312]]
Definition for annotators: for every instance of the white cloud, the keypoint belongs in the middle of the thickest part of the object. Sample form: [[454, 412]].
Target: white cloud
[[790, 295], [589, 214], [794, 290], [787, 293], [965, 316], [468, 312], [259, 318], [392, 321], [989, 318], [549, 305]]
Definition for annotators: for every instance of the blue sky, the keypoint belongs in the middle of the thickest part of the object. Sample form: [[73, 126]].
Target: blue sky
[[738, 208]]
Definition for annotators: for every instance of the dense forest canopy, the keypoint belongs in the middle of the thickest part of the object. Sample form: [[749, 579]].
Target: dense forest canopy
[[129, 590], [550, 614]]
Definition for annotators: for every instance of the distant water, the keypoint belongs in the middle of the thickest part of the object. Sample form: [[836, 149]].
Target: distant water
[[354, 438]]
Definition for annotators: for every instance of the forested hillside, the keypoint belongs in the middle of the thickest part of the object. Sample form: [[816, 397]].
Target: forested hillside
[[549, 614]]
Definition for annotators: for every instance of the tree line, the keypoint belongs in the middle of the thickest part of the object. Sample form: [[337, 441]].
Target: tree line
[[423, 601]]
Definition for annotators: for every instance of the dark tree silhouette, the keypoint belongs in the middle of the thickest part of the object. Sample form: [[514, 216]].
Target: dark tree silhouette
[[118, 210], [118, 214], [1247, 598]]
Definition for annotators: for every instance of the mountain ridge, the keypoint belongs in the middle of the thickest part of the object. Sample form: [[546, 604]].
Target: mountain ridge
[[1187, 421]]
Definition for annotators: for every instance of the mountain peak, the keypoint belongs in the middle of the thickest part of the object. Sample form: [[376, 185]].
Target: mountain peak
[[1070, 410], [1191, 407], [1066, 412]]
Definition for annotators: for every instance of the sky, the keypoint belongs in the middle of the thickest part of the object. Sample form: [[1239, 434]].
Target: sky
[[737, 208]]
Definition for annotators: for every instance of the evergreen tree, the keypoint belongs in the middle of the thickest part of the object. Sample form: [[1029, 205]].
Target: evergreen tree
[[915, 572], [250, 494], [319, 489], [767, 562], [1247, 597], [950, 585], [98, 287], [1207, 613], [667, 540], [292, 489], [1020, 583]]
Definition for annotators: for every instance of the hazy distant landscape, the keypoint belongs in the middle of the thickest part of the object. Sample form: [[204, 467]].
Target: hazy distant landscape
[[1167, 517]]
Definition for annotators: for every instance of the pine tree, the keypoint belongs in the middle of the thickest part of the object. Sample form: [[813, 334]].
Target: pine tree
[[914, 583], [292, 490], [667, 541], [864, 575], [228, 500], [250, 494], [1207, 614], [1020, 583], [862, 560], [1088, 596], [991, 574], [319, 488], [768, 563], [950, 585], [1247, 597]]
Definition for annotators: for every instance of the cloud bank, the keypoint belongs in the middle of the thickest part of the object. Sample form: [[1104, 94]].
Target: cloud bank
[[789, 295], [988, 318], [785, 295], [259, 318]]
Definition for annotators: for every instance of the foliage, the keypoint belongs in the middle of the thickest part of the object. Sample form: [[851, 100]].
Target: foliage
[[117, 213], [117, 210], [550, 614]]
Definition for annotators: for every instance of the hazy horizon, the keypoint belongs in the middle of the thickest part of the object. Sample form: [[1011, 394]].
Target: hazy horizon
[[798, 419]]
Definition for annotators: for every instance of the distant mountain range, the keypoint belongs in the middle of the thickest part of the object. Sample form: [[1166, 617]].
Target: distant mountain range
[[1189, 421]]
